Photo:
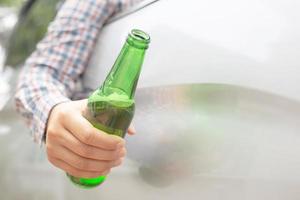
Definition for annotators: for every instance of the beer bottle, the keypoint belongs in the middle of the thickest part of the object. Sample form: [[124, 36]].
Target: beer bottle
[[111, 107]]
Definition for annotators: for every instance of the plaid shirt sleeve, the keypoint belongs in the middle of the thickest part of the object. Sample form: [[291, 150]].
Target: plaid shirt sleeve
[[50, 74]]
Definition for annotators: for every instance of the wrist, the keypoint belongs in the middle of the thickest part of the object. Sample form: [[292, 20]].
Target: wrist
[[51, 114]]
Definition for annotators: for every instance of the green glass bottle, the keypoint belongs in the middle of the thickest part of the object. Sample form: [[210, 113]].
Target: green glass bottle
[[111, 107]]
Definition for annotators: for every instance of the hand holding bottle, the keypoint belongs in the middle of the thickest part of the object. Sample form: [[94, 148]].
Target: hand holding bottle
[[73, 144], [78, 148]]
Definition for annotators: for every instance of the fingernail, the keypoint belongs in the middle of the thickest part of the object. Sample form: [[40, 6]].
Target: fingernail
[[118, 162]]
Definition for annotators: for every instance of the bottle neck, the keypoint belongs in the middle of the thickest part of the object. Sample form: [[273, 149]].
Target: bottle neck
[[125, 72]]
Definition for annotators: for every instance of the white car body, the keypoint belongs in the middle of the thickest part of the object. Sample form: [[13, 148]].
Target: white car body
[[247, 43], [232, 142], [236, 130]]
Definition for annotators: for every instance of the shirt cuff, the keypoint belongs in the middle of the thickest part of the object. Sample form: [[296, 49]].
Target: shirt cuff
[[36, 112]]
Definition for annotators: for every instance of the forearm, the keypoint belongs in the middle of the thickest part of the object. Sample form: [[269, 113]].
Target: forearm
[[51, 72]]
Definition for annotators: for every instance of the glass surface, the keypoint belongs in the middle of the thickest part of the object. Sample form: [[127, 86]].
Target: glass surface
[[111, 107], [111, 114]]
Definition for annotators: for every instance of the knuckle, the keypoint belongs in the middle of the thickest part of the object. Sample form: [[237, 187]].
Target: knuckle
[[119, 154], [62, 113], [116, 162], [106, 172], [115, 155], [83, 174], [108, 165], [104, 166], [90, 175], [53, 133], [87, 174], [74, 172], [88, 136], [82, 165], [85, 151], [94, 174], [49, 150], [50, 132], [123, 152], [51, 160], [109, 156], [103, 173]]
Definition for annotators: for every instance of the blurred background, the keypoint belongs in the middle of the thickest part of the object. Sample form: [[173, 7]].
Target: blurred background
[[22, 25]]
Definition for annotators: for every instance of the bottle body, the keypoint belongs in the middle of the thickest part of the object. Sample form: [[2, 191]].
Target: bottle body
[[111, 114], [111, 107], [111, 118]]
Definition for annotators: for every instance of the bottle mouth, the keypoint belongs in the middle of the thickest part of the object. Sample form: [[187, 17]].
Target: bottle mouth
[[138, 38], [140, 35]]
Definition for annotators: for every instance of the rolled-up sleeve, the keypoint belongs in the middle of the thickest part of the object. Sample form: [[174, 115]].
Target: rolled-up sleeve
[[50, 74]]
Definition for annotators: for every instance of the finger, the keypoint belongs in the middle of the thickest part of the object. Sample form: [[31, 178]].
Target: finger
[[131, 130], [76, 172], [86, 133], [82, 163], [87, 151]]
